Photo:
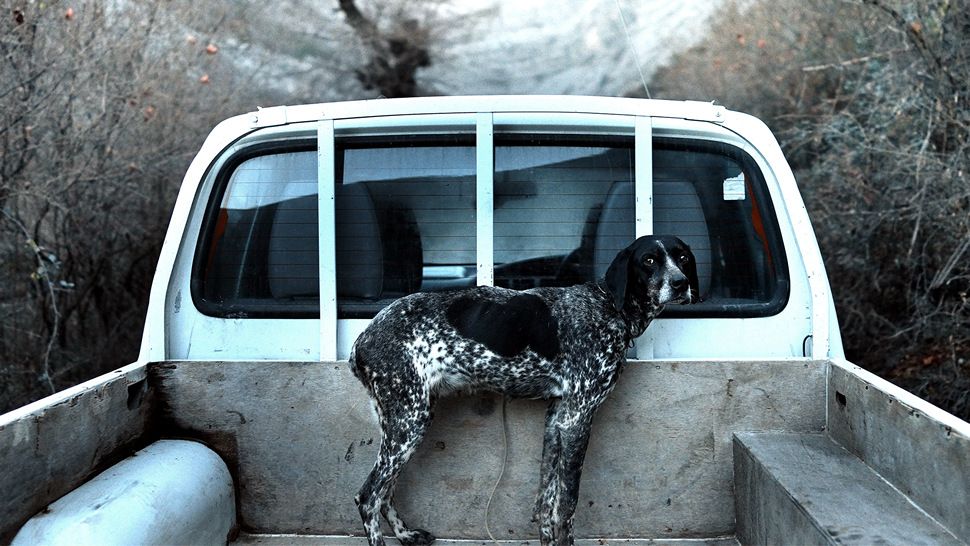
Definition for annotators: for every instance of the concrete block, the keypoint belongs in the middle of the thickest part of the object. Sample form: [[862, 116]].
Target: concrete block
[[806, 489], [921, 449]]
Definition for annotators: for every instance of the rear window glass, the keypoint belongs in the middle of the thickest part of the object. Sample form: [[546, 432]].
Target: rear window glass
[[565, 207], [405, 222], [260, 255], [713, 196], [550, 195], [405, 213]]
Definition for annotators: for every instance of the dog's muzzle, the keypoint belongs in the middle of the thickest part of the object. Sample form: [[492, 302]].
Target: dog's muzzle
[[682, 291]]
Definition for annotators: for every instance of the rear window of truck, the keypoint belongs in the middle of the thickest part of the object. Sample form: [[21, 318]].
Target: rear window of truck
[[405, 221]]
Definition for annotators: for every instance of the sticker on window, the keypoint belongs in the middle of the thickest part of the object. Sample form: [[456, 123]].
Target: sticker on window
[[734, 188]]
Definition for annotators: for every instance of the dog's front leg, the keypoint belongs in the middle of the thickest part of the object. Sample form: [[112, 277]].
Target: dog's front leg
[[572, 455], [570, 436], [550, 452]]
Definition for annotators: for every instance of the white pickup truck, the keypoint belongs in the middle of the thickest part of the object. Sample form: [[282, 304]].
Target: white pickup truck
[[737, 419]]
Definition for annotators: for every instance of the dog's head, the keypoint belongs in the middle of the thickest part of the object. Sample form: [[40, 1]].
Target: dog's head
[[654, 270]]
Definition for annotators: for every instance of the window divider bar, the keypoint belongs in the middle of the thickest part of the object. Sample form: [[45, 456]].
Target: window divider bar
[[326, 215], [484, 214], [643, 193], [643, 173]]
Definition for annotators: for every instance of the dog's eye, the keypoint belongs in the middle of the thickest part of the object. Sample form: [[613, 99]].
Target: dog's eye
[[649, 261], [684, 258]]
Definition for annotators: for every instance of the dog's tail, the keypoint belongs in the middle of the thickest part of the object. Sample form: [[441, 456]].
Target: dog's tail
[[359, 366], [353, 360], [355, 368]]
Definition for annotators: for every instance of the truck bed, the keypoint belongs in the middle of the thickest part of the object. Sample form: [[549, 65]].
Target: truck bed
[[663, 466]]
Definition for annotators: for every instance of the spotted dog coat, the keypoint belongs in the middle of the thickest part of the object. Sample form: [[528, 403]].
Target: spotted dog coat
[[563, 344]]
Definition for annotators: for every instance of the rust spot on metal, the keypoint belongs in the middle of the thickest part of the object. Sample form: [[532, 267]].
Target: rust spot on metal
[[841, 399], [136, 393]]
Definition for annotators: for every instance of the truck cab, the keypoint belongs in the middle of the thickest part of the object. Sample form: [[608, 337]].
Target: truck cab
[[307, 221]]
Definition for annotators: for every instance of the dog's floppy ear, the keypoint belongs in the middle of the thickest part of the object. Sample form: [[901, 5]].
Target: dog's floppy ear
[[690, 270], [617, 277]]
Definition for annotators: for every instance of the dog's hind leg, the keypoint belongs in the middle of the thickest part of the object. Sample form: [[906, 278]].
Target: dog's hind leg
[[404, 420], [406, 535]]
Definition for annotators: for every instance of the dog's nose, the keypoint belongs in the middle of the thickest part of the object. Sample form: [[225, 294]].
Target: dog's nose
[[680, 284]]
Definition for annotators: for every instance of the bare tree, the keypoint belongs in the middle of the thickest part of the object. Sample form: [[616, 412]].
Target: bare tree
[[101, 107], [393, 56]]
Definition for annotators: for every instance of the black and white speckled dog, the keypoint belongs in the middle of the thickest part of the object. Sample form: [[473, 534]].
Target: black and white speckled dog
[[564, 344]]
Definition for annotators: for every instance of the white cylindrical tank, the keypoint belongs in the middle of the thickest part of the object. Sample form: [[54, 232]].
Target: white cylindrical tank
[[171, 492]]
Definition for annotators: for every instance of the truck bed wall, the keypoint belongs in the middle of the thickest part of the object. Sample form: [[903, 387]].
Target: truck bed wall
[[54, 445], [300, 438]]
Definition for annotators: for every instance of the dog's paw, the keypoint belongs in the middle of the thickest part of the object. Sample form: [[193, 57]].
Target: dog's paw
[[539, 510], [416, 537]]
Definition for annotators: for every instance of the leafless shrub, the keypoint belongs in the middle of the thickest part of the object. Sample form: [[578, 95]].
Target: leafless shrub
[[869, 100], [101, 107]]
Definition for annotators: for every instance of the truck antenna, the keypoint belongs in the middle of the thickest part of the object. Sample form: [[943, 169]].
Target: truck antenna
[[629, 41]]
